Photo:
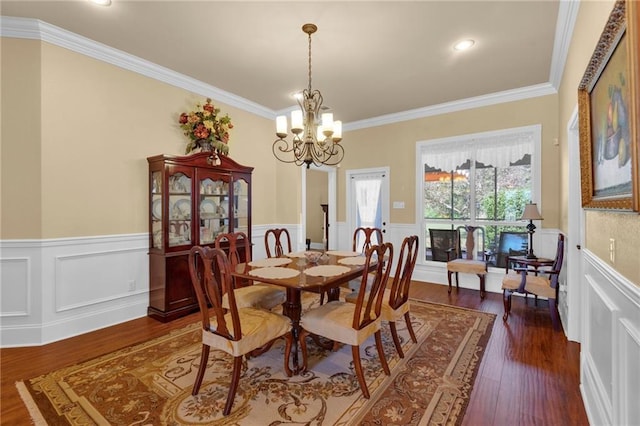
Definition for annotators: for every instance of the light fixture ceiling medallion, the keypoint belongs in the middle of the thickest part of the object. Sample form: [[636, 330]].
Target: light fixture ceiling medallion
[[316, 139]]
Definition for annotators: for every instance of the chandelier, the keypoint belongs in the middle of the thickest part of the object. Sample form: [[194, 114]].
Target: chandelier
[[316, 139]]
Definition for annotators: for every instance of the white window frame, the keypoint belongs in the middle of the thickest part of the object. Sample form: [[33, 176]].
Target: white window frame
[[534, 132]]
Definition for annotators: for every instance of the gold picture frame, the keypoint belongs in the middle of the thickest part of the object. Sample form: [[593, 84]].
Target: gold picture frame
[[608, 98]]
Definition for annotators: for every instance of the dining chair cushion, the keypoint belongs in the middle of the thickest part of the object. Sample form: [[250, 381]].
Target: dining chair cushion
[[467, 266], [258, 328], [540, 286], [258, 295], [334, 320], [511, 281], [387, 312]]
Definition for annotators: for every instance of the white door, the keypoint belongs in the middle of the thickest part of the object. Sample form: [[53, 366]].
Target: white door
[[367, 200]]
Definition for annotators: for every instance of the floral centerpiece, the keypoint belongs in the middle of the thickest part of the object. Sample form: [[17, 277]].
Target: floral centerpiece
[[206, 128]]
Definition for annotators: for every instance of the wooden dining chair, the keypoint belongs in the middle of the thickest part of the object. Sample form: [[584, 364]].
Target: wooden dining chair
[[541, 282], [469, 264], [353, 323], [250, 293], [364, 238], [275, 240], [395, 304], [234, 330]]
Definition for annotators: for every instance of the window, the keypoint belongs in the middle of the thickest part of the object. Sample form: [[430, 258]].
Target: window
[[479, 180]]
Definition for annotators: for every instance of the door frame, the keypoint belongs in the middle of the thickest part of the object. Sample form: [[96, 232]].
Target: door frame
[[575, 231]]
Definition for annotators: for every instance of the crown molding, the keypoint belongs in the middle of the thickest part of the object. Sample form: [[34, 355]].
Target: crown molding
[[448, 107], [567, 16], [28, 28]]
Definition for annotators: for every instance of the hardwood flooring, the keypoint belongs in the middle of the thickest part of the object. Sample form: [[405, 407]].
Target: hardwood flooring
[[529, 374]]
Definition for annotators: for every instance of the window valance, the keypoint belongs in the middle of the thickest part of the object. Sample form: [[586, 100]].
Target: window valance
[[497, 150]]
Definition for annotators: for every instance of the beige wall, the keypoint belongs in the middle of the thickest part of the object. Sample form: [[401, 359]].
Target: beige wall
[[395, 146], [81, 170], [20, 152], [600, 225]]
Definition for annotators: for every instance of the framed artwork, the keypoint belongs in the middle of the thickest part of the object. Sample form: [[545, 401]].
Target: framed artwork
[[608, 98]]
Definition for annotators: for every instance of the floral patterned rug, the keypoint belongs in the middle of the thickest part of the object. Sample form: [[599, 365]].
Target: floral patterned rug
[[150, 383]]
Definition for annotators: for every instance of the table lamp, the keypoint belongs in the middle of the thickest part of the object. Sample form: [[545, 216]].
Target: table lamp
[[531, 213]]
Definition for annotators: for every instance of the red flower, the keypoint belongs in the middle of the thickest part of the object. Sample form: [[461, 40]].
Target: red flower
[[208, 106], [201, 132], [184, 118]]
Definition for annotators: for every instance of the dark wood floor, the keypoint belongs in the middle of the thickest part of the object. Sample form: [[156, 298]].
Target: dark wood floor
[[529, 374]]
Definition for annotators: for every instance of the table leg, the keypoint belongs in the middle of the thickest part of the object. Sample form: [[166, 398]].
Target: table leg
[[292, 308]]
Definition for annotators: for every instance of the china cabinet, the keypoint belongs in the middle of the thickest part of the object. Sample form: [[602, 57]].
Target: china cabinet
[[192, 199]]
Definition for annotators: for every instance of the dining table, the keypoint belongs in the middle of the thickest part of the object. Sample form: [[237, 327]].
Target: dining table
[[297, 274]]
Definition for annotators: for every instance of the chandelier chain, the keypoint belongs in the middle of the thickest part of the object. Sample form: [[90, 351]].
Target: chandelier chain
[[309, 63]]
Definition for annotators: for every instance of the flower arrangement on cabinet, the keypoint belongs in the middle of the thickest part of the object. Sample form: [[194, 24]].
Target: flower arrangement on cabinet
[[206, 128]]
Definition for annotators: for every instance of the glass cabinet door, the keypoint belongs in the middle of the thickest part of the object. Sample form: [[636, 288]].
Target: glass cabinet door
[[156, 210], [241, 206], [179, 220], [213, 209]]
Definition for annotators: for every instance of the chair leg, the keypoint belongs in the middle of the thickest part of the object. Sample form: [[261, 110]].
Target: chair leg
[[555, 318], [287, 353], [407, 319], [506, 299], [383, 359], [457, 282], [449, 280], [396, 339], [482, 281], [355, 350], [204, 357], [233, 387], [303, 348]]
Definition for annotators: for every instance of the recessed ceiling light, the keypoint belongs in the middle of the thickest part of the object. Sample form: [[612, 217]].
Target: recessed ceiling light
[[464, 44], [101, 2]]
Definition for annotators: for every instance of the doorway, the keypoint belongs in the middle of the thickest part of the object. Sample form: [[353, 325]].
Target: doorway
[[318, 184], [367, 199]]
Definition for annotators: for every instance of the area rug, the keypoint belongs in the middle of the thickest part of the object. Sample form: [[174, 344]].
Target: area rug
[[150, 383]]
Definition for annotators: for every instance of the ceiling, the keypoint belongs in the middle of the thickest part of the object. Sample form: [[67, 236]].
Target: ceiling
[[369, 58]]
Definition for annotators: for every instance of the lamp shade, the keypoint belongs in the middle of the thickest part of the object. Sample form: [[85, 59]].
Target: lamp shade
[[531, 212]]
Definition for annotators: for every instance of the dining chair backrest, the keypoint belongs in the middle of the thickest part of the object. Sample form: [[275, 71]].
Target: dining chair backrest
[[274, 240], [237, 247], [211, 278], [445, 244], [372, 285], [364, 238], [399, 292], [557, 262]]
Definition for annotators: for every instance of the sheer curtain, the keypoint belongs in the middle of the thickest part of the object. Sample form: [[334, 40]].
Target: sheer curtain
[[494, 150], [369, 205]]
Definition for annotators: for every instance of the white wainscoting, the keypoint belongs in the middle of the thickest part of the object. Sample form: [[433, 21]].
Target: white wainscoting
[[610, 351], [58, 288]]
